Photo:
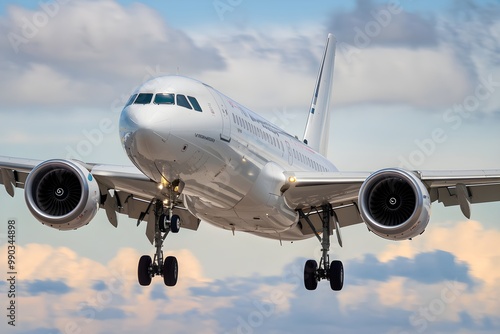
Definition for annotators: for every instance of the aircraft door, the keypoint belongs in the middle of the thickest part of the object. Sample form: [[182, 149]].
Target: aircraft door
[[226, 121]]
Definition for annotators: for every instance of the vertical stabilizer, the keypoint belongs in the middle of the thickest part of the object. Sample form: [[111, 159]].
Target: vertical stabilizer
[[318, 124]]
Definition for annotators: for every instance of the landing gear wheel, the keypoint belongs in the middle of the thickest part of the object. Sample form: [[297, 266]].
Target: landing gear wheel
[[310, 269], [143, 270], [170, 271], [336, 275], [175, 223], [163, 223]]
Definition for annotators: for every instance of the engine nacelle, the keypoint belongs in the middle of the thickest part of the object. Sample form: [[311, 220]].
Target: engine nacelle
[[62, 194], [394, 204]]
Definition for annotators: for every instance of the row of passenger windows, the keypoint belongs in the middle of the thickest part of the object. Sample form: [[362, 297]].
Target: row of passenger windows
[[165, 98], [298, 156], [258, 132], [308, 161]]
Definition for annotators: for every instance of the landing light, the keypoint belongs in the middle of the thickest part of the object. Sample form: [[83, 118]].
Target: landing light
[[292, 179], [163, 183]]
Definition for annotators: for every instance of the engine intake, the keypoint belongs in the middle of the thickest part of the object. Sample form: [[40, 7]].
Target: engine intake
[[394, 204], [62, 194]]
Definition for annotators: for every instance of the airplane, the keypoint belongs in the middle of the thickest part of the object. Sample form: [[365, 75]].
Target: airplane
[[200, 156]]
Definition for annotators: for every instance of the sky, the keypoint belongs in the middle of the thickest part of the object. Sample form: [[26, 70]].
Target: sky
[[416, 85]]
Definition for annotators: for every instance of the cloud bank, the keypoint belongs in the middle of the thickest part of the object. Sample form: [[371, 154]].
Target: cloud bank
[[435, 283]]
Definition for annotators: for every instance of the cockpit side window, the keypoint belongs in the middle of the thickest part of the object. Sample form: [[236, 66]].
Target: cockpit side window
[[195, 103], [183, 102], [144, 98], [164, 98], [131, 100]]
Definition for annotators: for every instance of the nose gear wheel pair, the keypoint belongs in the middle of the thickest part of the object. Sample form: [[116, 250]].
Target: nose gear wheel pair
[[165, 222]]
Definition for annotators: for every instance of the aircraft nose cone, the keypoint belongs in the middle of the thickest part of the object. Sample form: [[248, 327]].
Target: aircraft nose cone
[[143, 130]]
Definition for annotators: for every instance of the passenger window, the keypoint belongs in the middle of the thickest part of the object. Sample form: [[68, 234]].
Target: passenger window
[[183, 102], [164, 98], [131, 100], [144, 98], [195, 103]]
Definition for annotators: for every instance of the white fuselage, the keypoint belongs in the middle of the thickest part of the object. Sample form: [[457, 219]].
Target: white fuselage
[[230, 159]]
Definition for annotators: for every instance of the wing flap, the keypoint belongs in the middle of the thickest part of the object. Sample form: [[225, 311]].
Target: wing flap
[[482, 185], [14, 171]]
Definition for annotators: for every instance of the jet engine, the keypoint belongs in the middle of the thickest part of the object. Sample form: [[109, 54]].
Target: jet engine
[[62, 194], [394, 204]]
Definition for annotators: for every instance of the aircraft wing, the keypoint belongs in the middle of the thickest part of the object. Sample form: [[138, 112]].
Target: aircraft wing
[[124, 189], [304, 190]]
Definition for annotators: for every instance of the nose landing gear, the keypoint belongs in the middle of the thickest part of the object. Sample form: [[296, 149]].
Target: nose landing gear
[[165, 222]]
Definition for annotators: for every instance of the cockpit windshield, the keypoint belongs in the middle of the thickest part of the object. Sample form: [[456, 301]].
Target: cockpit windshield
[[143, 98], [164, 98], [181, 100], [195, 103]]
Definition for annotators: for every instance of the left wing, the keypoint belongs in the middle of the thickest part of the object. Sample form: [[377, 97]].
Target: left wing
[[123, 189]]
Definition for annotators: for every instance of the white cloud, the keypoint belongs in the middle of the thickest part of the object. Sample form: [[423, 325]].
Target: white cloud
[[103, 298], [89, 52], [429, 78], [95, 51]]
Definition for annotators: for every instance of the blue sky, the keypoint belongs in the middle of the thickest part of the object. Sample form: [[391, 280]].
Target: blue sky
[[402, 73]]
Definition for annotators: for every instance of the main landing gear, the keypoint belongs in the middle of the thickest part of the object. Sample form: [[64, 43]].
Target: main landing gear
[[334, 271], [165, 222]]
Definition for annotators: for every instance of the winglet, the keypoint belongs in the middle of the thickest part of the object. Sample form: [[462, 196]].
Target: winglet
[[316, 134]]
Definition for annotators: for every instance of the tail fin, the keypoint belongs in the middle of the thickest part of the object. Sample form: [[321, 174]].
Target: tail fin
[[318, 124]]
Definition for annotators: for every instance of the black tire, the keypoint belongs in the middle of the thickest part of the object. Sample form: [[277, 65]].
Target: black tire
[[336, 275], [175, 224], [170, 271], [143, 270], [310, 269], [163, 222]]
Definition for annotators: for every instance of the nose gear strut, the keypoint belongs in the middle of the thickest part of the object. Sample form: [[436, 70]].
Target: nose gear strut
[[165, 222]]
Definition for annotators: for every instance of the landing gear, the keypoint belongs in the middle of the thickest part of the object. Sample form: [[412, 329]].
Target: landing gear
[[165, 222], [334, 271]]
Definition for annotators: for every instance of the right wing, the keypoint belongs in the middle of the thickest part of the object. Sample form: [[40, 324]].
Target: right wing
[[306, 190]]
